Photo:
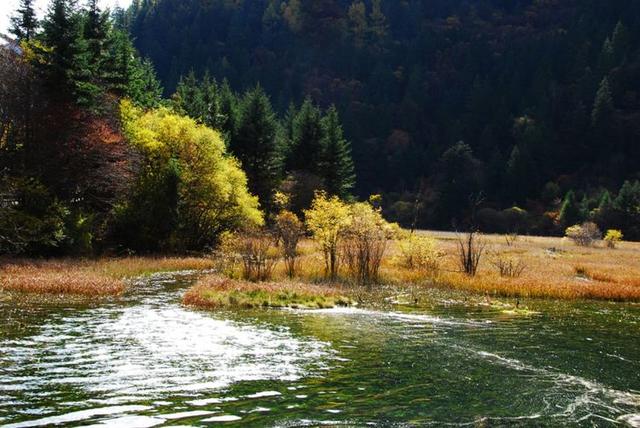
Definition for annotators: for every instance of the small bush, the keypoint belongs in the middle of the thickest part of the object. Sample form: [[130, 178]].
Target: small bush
[[509, 268], [613, 237], [584, 235], [470, 251], [511, 239], [419, 253], [365, 239], [289, 230], [252, 249]]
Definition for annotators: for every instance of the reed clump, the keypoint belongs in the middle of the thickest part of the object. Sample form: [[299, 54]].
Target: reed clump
[[214, 292]]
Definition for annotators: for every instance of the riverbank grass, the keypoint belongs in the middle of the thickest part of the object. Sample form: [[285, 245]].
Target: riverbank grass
[[214, 292], [101, 277]]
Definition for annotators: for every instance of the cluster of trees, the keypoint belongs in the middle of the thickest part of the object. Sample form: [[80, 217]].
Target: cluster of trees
[[295, 155], [544, 94], [89, 160]]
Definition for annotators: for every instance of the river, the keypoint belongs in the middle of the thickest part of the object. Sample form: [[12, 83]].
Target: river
[[144, 360]]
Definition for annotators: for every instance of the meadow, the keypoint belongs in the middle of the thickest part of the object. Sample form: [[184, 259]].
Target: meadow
[[553, 268]]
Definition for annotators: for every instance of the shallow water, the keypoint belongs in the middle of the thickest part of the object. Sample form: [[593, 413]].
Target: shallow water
[[146, 361]]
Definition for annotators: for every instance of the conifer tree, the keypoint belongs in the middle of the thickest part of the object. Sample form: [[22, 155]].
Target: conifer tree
[[570, 211], [212, 115], [25, 22], [255, 145], [337, 164], [61, 34], [603, 105], [228, 109], [306, 146], [188, 99]]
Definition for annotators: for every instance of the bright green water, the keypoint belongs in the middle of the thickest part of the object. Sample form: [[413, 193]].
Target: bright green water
[[146, 361]]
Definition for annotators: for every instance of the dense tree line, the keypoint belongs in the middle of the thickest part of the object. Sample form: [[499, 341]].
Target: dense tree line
[[293, 156], [456, 109], [90, 160]]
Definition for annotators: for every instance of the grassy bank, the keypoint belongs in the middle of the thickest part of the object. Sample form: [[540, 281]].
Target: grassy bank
[[102, 277], [215, 292], [553, 268]]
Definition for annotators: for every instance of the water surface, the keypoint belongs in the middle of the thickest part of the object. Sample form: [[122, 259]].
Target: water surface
[[146, 361]]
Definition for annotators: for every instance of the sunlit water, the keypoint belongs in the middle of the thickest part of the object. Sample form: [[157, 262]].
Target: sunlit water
[[146, 361]]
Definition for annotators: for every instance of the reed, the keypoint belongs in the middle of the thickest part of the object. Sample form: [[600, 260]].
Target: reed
[[102, 277], [214, 292]]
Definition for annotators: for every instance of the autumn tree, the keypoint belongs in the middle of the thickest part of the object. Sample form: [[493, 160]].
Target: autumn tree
[[326, 220]]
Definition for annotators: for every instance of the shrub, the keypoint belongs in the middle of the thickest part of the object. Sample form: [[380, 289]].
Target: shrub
[[258, 254], [509, 268], [584, 235], [365, 241], [226, 256], [419, 252], [613, 237], [326, 221], [470, 251], [289, 230]]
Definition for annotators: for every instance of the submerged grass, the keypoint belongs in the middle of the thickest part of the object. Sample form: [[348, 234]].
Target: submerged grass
[[102, 277], [213, 292]]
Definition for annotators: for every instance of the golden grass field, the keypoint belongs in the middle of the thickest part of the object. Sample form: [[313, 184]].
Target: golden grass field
[[553, 268], [102, 277]]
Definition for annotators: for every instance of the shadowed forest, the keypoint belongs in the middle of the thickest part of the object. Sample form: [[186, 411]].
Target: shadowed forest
[[518, 118]]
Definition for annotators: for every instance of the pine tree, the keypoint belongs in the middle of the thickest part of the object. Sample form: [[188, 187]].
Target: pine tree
[[255, 145], [604, 211], [337, 164], [306, 146], [607, 57], [212, 115], [144, 88], [379, 26], [603, 105], [61, 36], [570, 211], [188, 99], [95, 32], [228, 110], [358, 22], [520, 174], [25, 22], [620, 42]]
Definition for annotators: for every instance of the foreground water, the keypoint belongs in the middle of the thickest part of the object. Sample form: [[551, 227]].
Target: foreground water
[[146, 361]]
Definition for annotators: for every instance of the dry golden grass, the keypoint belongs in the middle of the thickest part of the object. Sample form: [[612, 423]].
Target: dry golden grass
[[554, 268], [213, 292], [103, 277]]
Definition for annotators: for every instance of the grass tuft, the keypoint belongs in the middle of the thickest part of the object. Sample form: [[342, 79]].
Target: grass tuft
[[214, 292]]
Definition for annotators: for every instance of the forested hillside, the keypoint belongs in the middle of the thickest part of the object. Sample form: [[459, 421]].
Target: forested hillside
[[455, 108]]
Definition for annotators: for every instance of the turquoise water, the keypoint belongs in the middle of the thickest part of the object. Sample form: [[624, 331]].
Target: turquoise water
[[146, 361]]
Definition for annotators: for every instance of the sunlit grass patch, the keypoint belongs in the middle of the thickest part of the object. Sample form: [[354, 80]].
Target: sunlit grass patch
[[214, 292], [103, 277], [58, 278]]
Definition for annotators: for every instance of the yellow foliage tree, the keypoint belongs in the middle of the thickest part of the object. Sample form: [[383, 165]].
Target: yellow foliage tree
[[366, 235], [212, 193], [326, 219]]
